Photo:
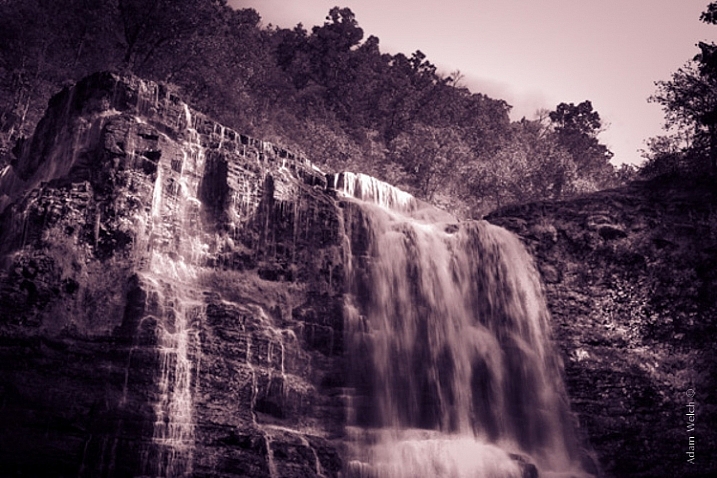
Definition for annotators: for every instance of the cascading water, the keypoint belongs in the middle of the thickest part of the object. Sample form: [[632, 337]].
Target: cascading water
[[178, 341], [176, 305], [452, 368]]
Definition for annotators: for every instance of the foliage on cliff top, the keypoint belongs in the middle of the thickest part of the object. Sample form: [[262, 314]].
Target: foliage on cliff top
[[689, 101], [328, 92]]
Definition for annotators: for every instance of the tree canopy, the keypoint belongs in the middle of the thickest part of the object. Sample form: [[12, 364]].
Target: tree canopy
[[689, 101], [577, 128], [327, 91]]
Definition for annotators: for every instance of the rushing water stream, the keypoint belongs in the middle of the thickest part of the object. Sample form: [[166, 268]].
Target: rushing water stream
[[447, 333]]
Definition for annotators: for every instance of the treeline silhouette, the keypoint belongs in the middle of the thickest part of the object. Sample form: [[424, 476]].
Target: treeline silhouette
[[689, 101]]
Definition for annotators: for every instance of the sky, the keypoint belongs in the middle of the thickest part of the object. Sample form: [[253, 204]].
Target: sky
[[536, 53]]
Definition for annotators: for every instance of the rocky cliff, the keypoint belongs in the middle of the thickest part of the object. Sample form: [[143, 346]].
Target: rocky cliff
[[172, 303], [630, 278], [170, 296]]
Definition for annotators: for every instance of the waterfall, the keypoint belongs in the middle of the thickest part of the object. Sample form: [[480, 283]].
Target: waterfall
[[175, 303], [173, 433], [370, 189], [452, 369]]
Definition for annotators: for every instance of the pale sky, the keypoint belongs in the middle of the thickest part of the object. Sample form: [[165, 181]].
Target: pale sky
[[536, 53]]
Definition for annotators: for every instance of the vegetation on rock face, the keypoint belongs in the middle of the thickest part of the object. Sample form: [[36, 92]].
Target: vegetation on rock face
[[328, 92]]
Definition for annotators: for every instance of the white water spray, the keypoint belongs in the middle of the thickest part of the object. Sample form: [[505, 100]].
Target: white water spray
[[370, 189]]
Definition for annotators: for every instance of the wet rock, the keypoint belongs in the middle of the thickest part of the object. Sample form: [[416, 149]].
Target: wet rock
[[162, 273], [529, 470], [610, 231], [550, 273]]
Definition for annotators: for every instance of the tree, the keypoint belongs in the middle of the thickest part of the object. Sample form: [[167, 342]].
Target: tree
[[42, 45], [689, 101], [324, 56], [664, 157], [530, 165], [689, 98], [576, 129], [153, 31], [430, 158]]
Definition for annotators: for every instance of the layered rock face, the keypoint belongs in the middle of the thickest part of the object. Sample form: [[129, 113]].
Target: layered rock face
[[630, 279], [170, 296]]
